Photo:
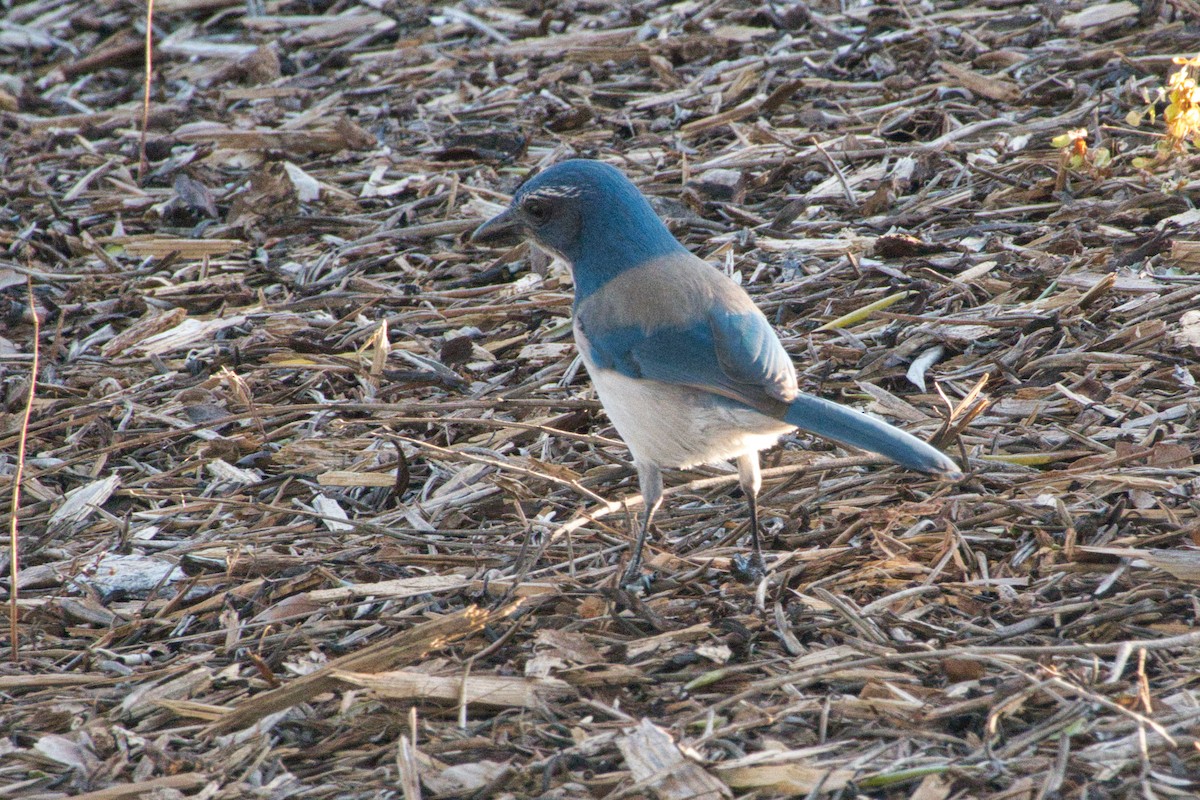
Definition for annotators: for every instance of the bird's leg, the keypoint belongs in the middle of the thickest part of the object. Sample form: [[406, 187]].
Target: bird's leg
[[651, 484], [750, 478]]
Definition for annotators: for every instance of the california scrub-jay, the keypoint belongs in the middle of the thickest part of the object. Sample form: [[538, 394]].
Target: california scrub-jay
[[687, 367]]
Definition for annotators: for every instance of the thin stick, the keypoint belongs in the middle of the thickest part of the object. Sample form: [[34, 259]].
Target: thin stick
[[14, 560], [143, 164]]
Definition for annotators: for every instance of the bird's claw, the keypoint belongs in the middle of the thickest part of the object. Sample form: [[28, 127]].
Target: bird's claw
[[636, 581], [749, 568]]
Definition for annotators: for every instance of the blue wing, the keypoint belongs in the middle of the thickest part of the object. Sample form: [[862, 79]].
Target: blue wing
[[730, 353]]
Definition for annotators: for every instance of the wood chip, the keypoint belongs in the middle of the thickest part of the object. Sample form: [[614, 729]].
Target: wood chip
[[657, 763]]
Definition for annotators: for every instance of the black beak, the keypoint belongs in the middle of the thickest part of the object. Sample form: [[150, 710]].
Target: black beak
[[504, 227]]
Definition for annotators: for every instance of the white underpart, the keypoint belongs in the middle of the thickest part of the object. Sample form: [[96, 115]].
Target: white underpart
[[677, 427]]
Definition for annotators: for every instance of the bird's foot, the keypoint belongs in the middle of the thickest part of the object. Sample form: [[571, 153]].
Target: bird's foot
[[636, 581], [749, 568]]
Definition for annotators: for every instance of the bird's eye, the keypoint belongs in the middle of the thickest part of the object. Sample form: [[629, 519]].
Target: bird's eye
[[538, 211]]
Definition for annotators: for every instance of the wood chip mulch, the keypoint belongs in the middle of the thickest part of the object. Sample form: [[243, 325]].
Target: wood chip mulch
[[319, 503]]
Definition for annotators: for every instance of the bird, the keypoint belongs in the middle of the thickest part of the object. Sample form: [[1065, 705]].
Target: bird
[[686, 366]]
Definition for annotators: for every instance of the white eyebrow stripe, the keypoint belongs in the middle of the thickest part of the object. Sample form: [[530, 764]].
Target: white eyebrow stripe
[[552, 192]]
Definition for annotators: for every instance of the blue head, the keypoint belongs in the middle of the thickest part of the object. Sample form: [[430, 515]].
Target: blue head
[[588, 214]]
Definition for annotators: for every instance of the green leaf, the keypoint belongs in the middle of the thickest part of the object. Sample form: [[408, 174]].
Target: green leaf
[[883, 779], [708, 679], [859, 315]]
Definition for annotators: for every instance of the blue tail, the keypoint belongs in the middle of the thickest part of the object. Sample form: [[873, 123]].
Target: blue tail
[[847, 426]]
